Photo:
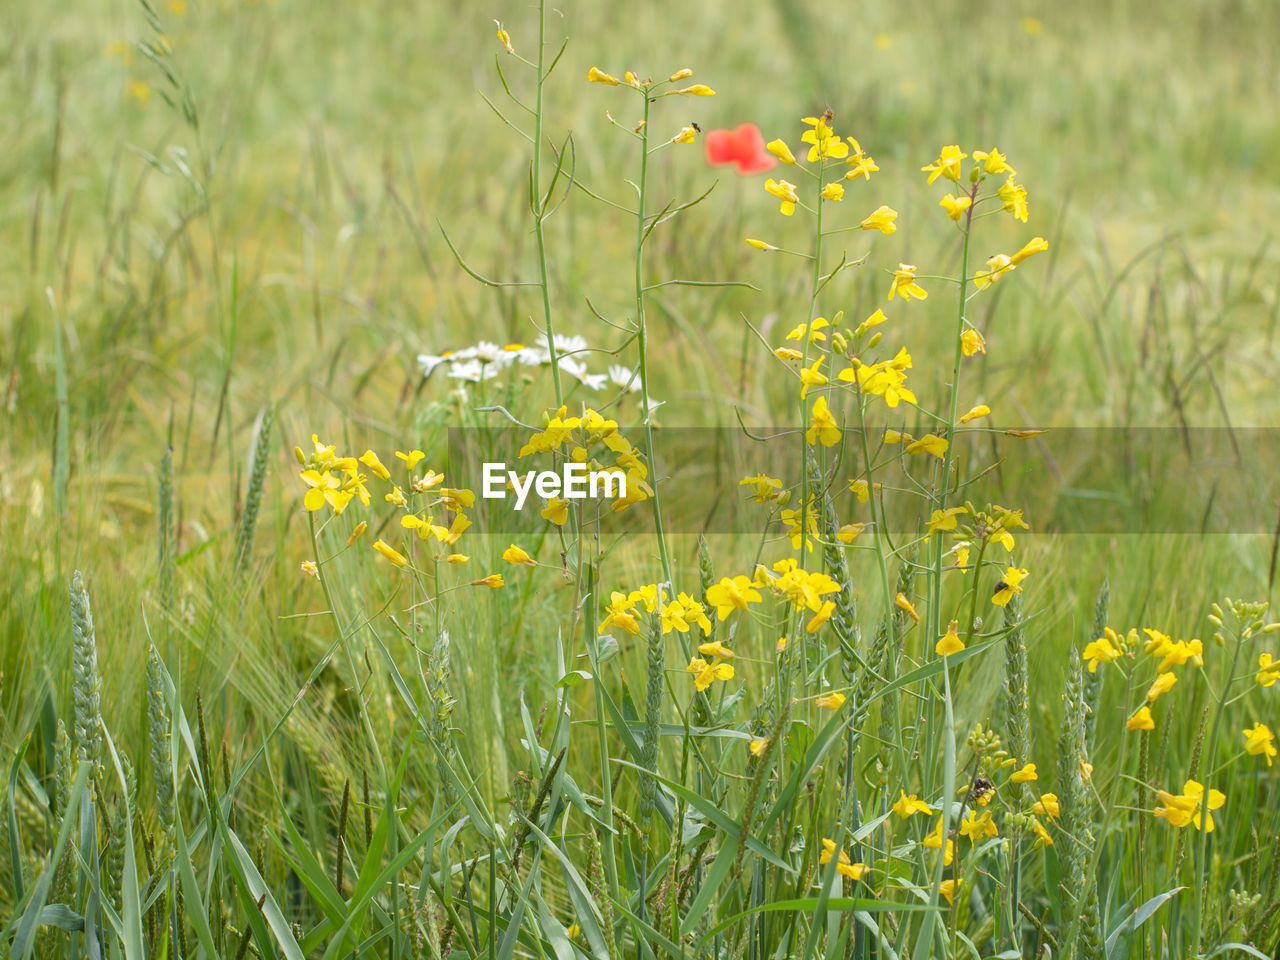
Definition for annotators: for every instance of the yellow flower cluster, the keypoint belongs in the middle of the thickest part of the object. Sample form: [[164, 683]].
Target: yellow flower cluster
[[583, 439], [672, 614]]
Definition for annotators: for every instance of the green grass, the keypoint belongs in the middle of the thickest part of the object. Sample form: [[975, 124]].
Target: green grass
[[280, 247]]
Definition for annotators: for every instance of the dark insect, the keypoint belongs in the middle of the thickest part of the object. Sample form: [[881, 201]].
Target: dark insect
[[981, 787], [1000, 586], [695, 126]]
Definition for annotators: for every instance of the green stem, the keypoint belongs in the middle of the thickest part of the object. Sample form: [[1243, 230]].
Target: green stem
[[642, 339], [536, 205], [1207, 763]]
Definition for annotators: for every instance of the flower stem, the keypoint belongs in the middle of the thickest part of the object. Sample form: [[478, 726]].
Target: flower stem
[[642, 340], [536, 206]]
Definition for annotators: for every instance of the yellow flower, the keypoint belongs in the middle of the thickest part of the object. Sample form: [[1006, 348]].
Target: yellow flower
[[947, 164], [823, 140], [457, 558], [908, 806], [934, 841], [697, 90], [1010, 584], [904, 284], [1268, 670], [595, 75], [493, 580], [781, 644], [781, 151], [760, 244], [997, 267], [1041, 832], [950, 642], [399, 559], [1141, 720], [704, 673], [504, 38], [784, 191], [310, 569], [1031, 26], [859, 488], [516, 555], [730, 595], [1183, 809], [1014, 197], [971, 342], [955, 206], [811, 376], [1100, 651], [849, 531], [881, 219], [892, 437], [757, 745], [686, 135], [833, 191], [831, 701], [764, 487], [715, 649], [1162, 684], [854, 871], [822, 616], [1033, 246], [976, 827], [1047, 806], [360, 528], [874, 320], [1260, 741], [814, 330], [929, 443], [556, 510], [1025, 775], [993, 161], [904, 604], [822, 426], [682, 74], [981, 410], [948, 888], [945, 519]]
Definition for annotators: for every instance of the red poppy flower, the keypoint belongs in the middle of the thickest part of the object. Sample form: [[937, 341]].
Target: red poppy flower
[[743, 146]]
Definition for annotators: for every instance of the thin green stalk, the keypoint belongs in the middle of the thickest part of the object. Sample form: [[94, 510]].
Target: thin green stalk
[[642, 340], [1207, 763], [536, 204]]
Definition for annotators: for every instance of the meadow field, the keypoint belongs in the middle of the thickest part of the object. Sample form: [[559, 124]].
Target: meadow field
[[937, 346]]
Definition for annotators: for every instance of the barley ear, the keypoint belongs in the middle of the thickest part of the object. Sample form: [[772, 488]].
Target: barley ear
[[253, 497], [88, 685], [1093, 681]]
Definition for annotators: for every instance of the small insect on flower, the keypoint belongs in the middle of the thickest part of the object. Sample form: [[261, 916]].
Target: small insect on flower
[[982, 790]]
